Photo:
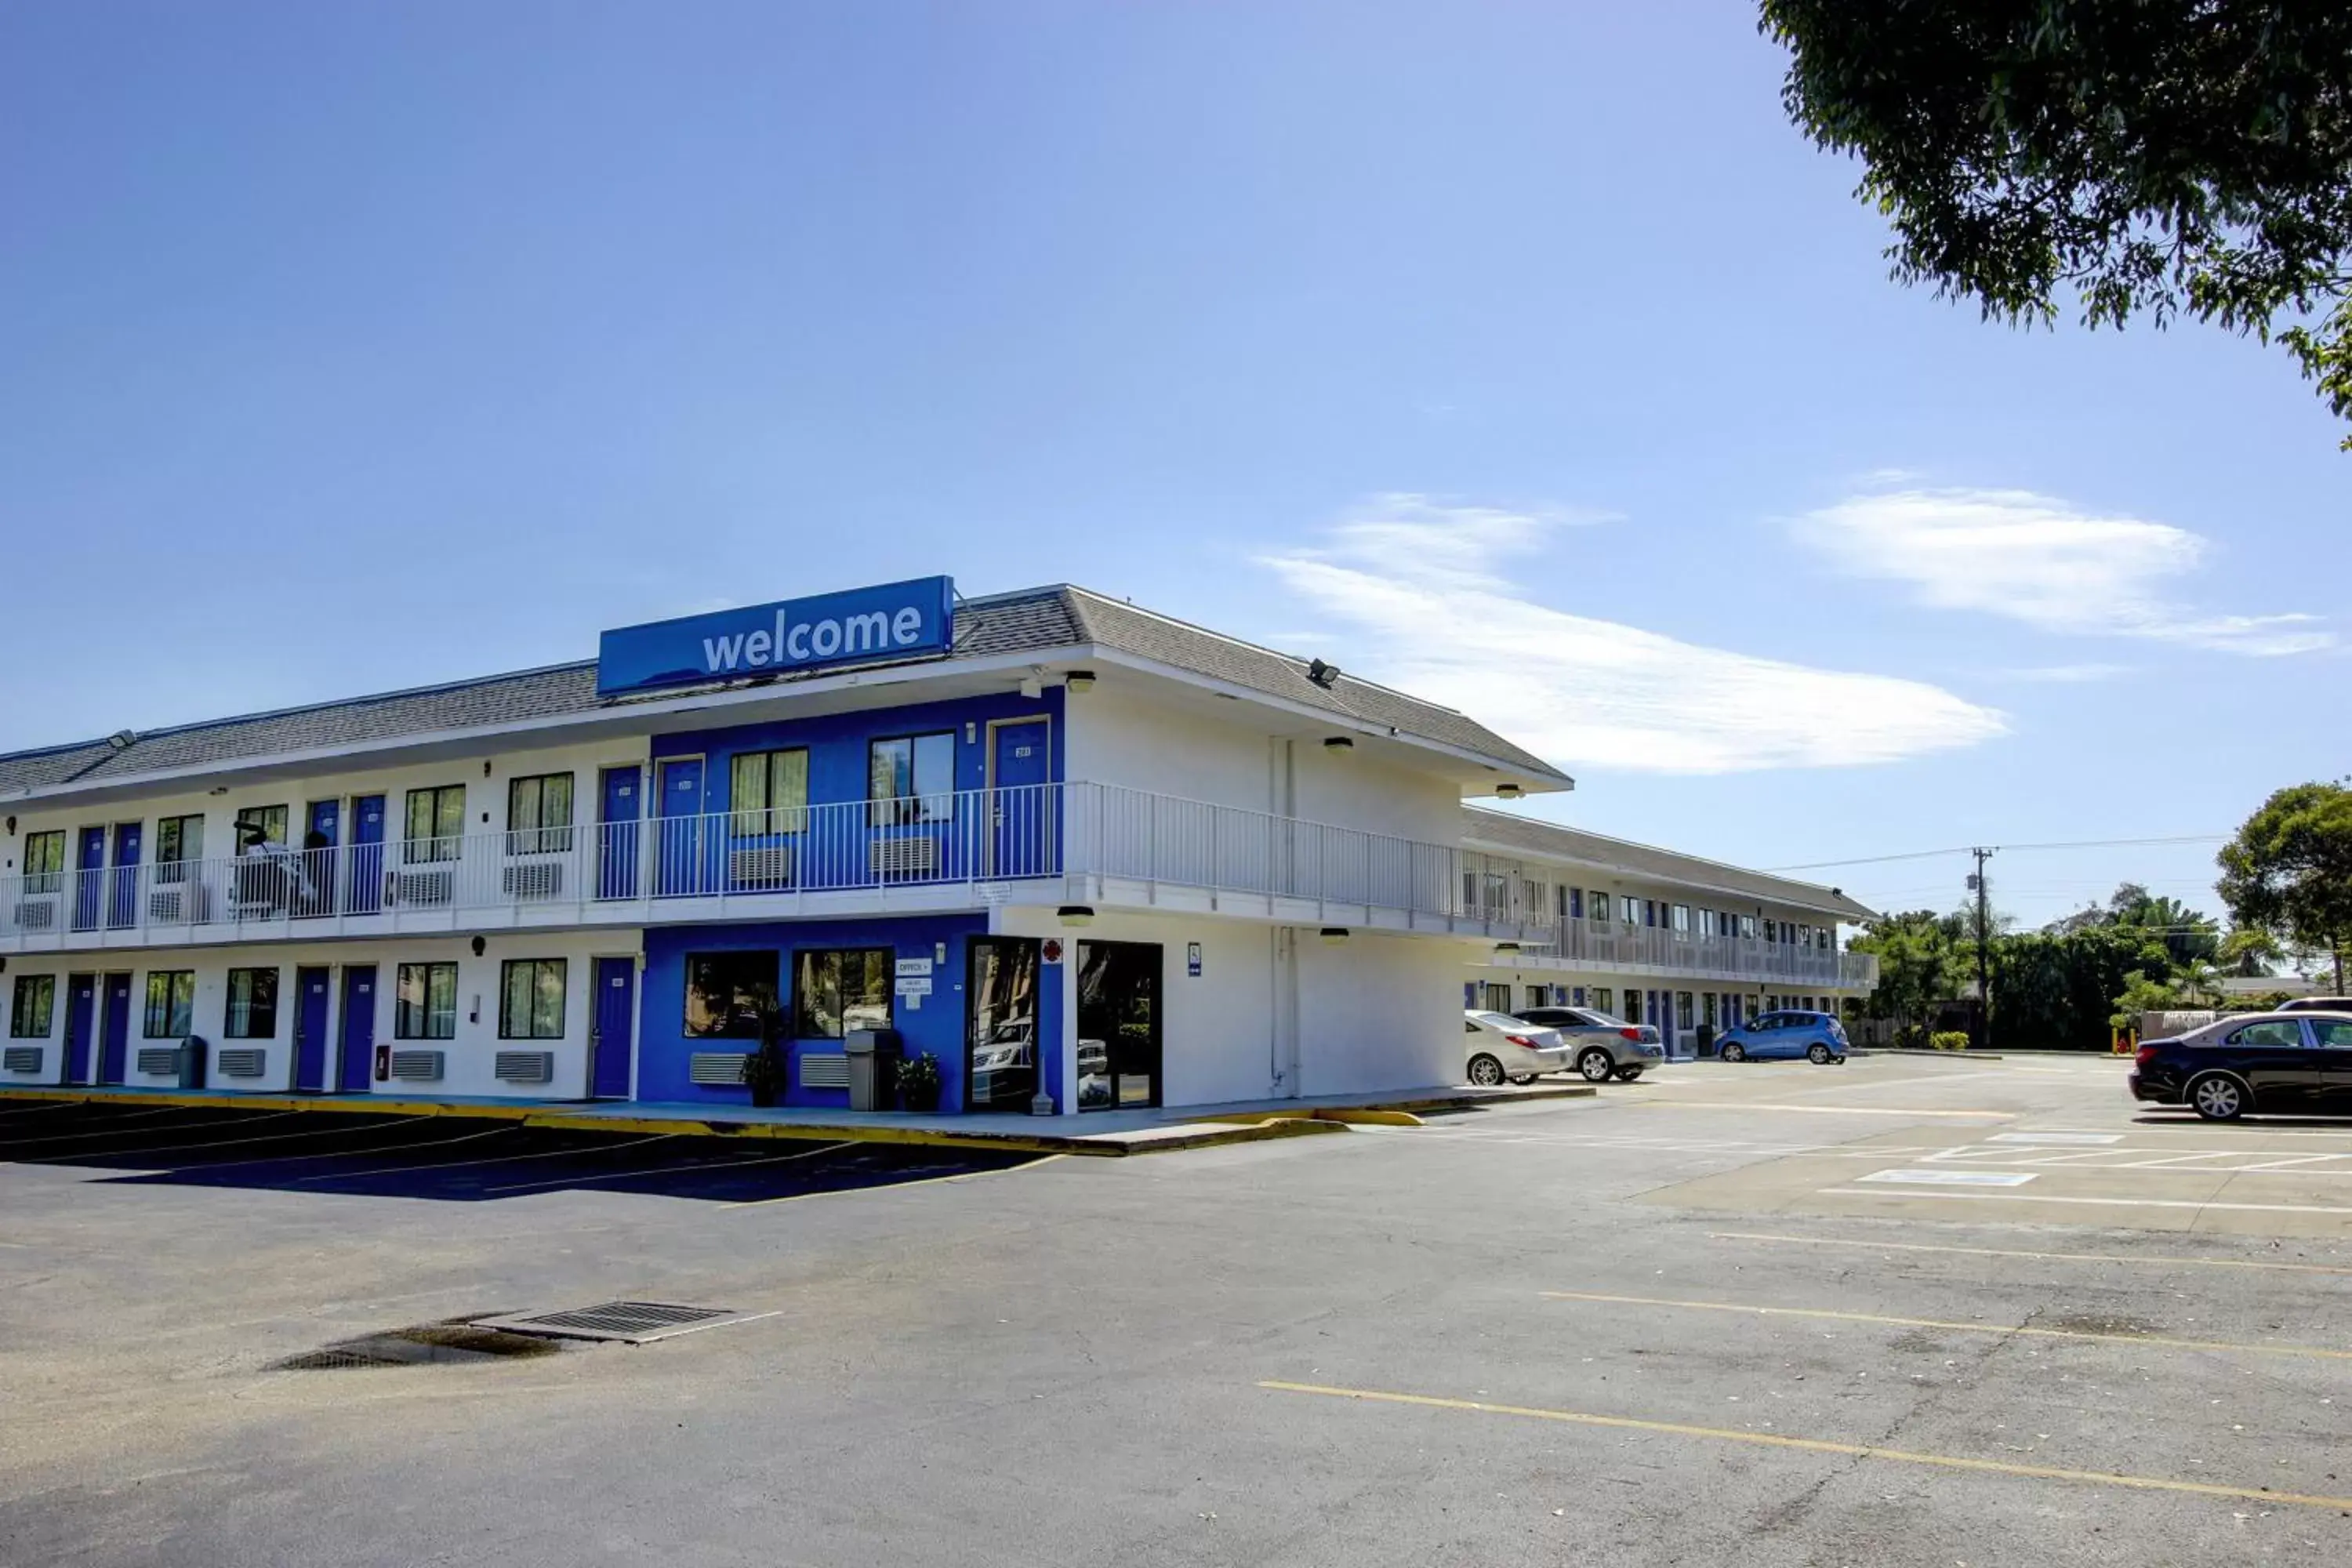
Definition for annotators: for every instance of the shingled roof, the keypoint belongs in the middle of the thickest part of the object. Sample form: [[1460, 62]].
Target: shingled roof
[[1529, 835], [1042, 621]]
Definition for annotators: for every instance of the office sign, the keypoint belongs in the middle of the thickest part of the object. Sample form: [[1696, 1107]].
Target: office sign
[[859, 625]]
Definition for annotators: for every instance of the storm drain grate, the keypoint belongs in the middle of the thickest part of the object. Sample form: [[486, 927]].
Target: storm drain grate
[[636, 1322], [452, 1343]]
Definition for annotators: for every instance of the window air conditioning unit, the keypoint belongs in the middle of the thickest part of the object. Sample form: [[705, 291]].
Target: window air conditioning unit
[[187, 904], [825, 1069], [421, 888], [761, 869], [526, 1066], [917, 856], [535, 879], [158, 1061], [21, 1058], [716, 1069], [241, 1061], [36, 914], [417, 1067]]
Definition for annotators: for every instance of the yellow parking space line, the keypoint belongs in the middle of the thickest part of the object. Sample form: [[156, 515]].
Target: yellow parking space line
[[1812, 1109], [1818, 1446], [2014, 1252], [1828, 1315]]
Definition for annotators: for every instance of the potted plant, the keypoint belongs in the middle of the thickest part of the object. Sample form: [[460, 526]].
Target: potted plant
[[765, 1070], [919, 1083]]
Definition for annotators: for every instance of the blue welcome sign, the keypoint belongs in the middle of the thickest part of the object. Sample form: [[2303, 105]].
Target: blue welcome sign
[[859, 625]]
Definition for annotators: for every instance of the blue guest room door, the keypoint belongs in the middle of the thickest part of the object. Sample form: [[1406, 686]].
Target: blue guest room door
[[81, 1005], [89, 878], [678, 853], [312, 998], [1019, 765], [365, 894], [616, 842], [359, 1029], [614, 1036], [114, 1030], [122, 901], [322, 830]]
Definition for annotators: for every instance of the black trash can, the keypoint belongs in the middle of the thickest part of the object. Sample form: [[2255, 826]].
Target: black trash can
[[192, 1062], [873, 1068]]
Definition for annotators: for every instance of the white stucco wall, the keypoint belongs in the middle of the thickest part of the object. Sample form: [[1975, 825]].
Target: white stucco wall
[[469, 1064]]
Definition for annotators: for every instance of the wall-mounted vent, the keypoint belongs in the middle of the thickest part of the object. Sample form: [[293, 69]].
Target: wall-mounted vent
[[21, 1058], [417, 1067], [535, 879], [241, 1061], [428, 887], [917, 857], [157, 1061], [526, 1066], [716, 1067], [825, 1069], [36, 914], [762, 869]]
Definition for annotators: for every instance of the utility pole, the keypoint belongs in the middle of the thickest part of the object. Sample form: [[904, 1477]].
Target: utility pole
[[1983, 1015]]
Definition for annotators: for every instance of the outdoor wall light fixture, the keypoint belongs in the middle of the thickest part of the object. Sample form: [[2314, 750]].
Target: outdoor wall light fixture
[[12, 827], [1334, 935], [486, 767], [219, 789], [1339, 745], [1507, 947], [1077, 914], [1079, 680], [1509, 791], [480, 946]]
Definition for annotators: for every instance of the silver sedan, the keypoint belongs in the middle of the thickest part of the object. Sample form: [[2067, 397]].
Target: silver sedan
[[1601, 1046]]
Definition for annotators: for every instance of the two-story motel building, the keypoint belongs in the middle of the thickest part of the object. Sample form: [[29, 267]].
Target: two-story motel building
[[1070, 847], [1086, 856], [1659, 937]]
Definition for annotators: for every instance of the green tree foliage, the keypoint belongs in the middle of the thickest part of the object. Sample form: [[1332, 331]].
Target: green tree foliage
[[2057, 989], [1920, 963], [2289, 870], [2148, 158], [2189, 935]]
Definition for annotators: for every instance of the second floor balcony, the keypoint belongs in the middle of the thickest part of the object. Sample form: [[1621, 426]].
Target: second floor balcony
[[1616, 948], [1040, 844]]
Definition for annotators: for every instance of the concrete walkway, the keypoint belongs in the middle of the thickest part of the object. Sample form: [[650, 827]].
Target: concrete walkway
[[1100, 1133]]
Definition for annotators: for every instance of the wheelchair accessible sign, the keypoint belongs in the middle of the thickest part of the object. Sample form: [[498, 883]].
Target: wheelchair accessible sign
[[913, 619]]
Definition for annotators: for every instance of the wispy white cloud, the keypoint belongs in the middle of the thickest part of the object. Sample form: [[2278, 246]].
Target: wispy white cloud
[[2068, 674], [1417, 580], [2042, 561]]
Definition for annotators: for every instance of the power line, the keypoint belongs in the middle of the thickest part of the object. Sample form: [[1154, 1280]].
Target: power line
[[2010, 848]]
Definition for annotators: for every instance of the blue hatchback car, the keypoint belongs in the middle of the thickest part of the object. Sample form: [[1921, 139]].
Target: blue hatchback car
[[1817, 1036]]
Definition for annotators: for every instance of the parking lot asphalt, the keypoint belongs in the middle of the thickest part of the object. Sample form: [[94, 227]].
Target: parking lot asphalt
[[1678, 1323]]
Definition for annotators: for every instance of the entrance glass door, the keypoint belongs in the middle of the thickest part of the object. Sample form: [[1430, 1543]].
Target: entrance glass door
[[1118, 1026], [1000, 1023]]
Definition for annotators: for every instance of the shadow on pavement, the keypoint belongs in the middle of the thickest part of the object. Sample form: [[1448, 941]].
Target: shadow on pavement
[[451, 1158]]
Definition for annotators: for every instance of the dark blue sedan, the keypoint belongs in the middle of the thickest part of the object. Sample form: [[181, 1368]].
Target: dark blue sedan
[[1789, 1032], [2299, 1063]]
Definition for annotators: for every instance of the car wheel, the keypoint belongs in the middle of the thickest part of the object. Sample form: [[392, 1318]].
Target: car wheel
[[1486, 1071], [1818, 1054], [2217, 1098], [1735, 1052], [1627, 1075], [1595, 1066]]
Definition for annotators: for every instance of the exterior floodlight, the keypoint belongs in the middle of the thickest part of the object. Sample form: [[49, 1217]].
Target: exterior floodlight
[[1077, 914]]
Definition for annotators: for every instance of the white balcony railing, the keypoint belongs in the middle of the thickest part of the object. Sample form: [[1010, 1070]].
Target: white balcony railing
[[1616, 946], [1083, 835]]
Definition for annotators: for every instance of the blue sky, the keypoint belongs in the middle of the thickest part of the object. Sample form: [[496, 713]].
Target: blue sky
[[1521, 355]]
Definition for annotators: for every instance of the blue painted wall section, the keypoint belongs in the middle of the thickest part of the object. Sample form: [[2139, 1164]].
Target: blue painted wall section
[[937, 1026]]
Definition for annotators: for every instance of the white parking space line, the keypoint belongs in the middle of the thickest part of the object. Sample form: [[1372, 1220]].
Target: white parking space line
[[1950, 1178], [2095, 1203], [2057, 1138], [1819, 1110], [2142, 1259]]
